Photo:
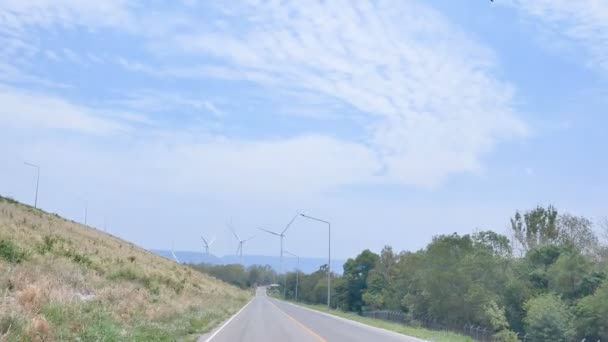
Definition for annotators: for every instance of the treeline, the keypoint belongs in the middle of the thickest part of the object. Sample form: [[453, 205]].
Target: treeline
[[237, 275], [548, 281]]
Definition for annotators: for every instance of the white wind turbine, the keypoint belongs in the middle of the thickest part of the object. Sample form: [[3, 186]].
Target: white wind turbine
[[281, 235], [207, 244], [239, 249], [174, 256]]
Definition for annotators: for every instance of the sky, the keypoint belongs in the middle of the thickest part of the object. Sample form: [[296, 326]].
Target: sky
[[395, 120]]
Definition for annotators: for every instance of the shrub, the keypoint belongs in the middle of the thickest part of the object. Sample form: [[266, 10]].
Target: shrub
[[47, 244], [11, 252], [506, 336], [77, 257]]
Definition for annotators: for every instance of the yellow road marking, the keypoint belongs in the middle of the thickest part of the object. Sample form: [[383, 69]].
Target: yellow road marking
[[305, 328]]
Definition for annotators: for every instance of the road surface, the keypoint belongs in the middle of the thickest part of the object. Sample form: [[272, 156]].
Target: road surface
[[266, 319]]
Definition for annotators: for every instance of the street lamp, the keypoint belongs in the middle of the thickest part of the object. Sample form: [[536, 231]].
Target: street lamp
[[37, 181], [328, 256], [297, 273]]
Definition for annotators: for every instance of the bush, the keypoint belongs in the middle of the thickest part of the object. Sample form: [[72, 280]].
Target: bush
[[10, 252], [505, 336], [77, 257], [47, 244], [548, 319]]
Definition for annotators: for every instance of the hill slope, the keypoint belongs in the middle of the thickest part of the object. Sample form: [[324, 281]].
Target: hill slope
[[60, 280]]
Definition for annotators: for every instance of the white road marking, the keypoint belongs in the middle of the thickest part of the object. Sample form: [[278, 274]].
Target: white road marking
[[359, 324], [228, 321]]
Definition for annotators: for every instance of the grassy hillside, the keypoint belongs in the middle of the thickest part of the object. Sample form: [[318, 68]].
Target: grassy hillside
[[60, 280]]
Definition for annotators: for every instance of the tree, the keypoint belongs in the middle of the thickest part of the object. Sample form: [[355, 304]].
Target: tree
[[592, 315], [536, 227], [381, 291], [495, 243], [572, 276], [355, 274], [548, 319], [577, 232]]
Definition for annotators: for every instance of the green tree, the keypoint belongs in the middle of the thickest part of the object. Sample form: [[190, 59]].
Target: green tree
[[592, 315], [493, 242], [577, 233], [548, 319], [355, 275], [572, 276], [535, 227]]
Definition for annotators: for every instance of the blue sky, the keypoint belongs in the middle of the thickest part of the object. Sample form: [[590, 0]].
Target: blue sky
[[395, 120]]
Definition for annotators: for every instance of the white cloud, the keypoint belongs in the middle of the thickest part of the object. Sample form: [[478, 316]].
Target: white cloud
[[28, 111], [17, 15], [436, 106], [431, 89], [583, 22], [150, 100]]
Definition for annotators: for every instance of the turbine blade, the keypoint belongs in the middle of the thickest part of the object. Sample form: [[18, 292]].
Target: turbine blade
[[269, 231], [233, 232], [212, 241], [249, 238], [290, 222], [205, 241]]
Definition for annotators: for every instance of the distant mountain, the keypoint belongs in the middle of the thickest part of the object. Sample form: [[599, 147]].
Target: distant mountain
[[307, 265]]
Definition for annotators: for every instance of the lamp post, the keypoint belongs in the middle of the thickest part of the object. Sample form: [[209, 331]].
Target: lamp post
[[328, 256], [297, 273], [37, 181]]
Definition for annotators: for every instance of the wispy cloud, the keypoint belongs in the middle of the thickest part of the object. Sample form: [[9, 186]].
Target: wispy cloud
[[430, 91], [437, 105], [149, 100], [18, 16], [583, 22]]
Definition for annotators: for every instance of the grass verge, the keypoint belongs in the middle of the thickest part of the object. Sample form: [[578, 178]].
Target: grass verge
[[426, 334], [62, 281]]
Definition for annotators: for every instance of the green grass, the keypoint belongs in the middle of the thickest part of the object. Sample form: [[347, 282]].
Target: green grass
[[11, 252], [426, 334], [90, 322]]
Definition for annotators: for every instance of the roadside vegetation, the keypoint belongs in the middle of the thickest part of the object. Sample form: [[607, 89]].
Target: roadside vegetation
[[237, 275], [62, 281], [547, 282]]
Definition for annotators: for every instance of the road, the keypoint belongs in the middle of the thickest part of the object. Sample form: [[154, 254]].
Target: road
[[266, 319]]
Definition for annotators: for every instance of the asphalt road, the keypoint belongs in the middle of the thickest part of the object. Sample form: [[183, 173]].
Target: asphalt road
[[266, 319]]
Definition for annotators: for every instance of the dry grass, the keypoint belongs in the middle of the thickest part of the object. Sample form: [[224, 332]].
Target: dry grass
[[60, 280]]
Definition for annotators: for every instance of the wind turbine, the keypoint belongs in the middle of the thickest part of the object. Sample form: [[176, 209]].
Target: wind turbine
[[281, 235], [174, 256], [207, 244], [239, 249]]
